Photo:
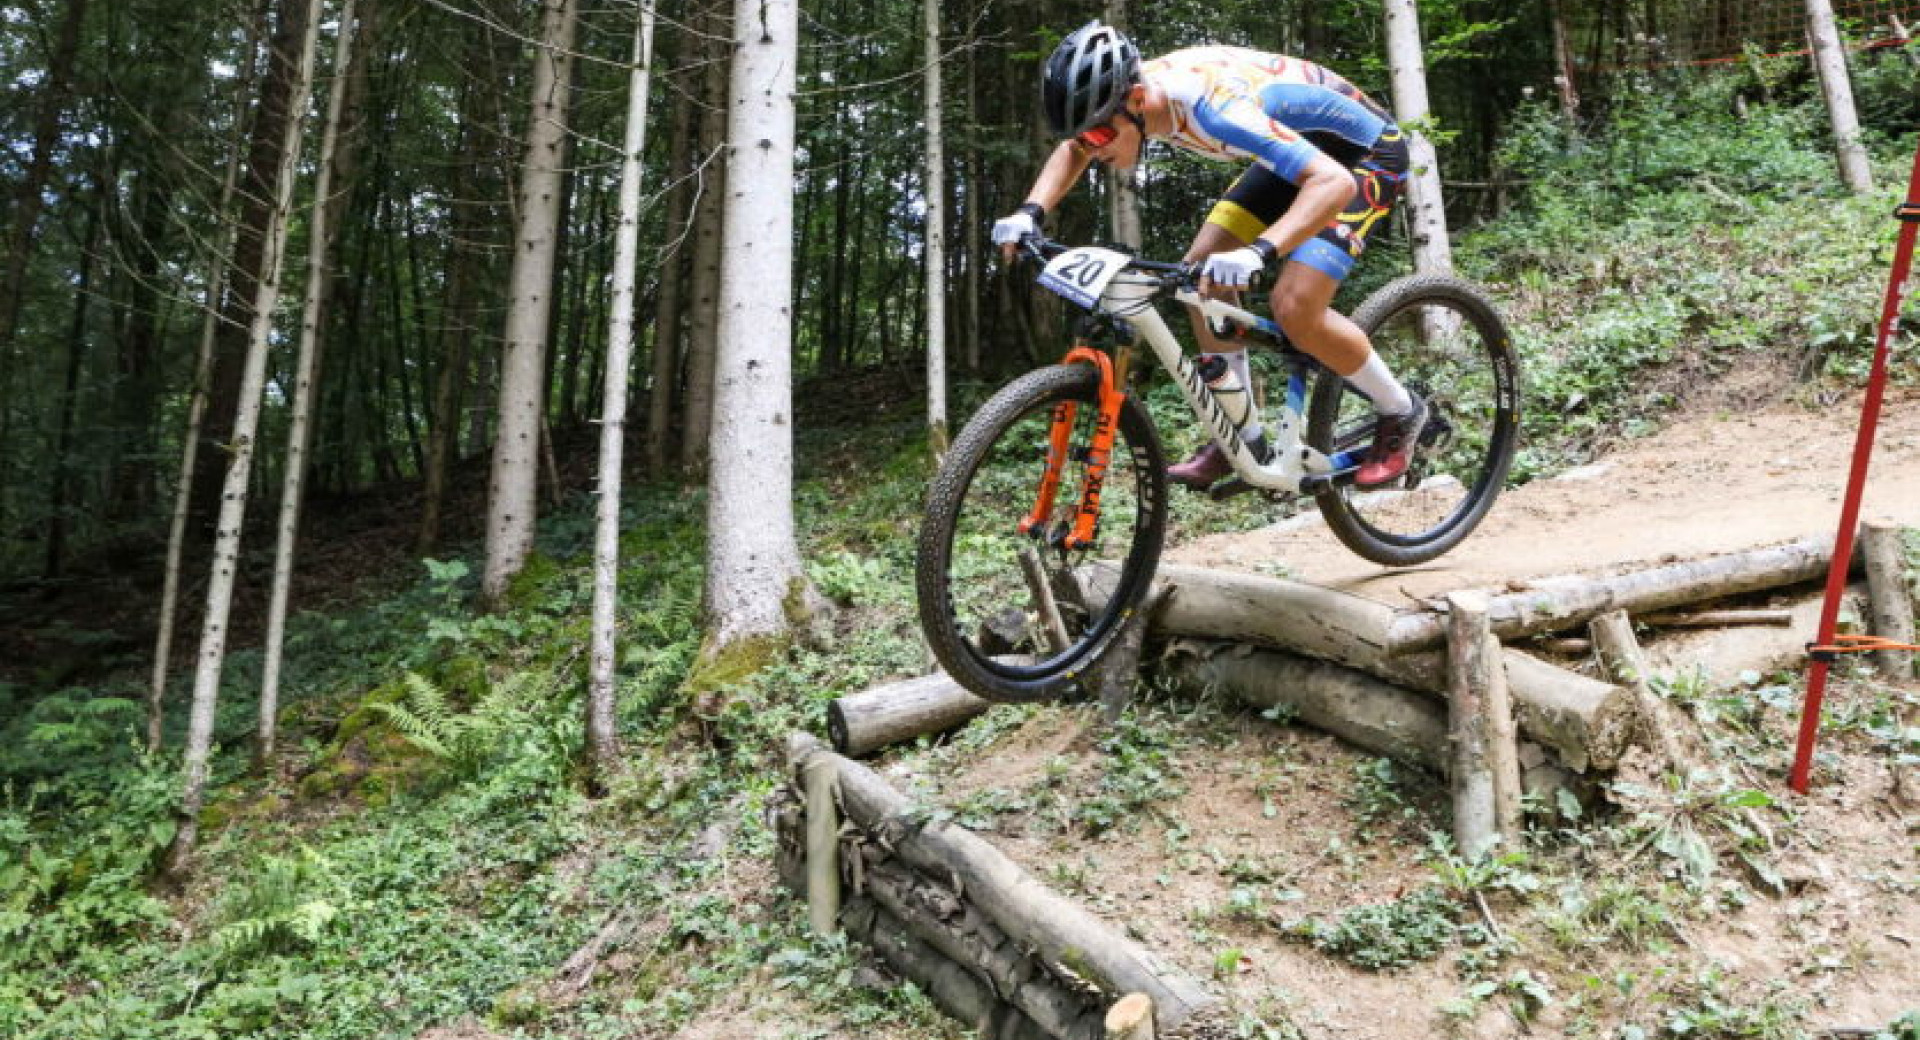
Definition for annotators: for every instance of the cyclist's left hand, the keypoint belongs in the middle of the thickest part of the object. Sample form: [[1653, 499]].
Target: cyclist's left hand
[[1233, 269]]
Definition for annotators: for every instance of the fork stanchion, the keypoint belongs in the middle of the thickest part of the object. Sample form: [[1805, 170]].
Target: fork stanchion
[[1909, 215]]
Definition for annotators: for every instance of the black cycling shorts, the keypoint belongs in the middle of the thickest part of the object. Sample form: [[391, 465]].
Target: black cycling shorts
[[1258, 198]]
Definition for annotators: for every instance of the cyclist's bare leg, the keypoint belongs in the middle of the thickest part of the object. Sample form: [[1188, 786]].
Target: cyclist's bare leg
[[1302, 302]]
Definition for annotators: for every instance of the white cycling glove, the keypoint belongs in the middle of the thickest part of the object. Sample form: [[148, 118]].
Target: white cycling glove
[[1022, 223], [1235, 269]]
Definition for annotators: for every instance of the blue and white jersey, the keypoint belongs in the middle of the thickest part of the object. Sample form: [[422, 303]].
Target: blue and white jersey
[[1231, 102]]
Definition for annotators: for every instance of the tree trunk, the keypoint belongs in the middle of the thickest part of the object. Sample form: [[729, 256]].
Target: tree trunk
[[710, 216], [1563, 67], [233, 503], [936, 233], [513, 489], [30, 197], [198, 395], [756, 588], [1830, 61], [257, 191], [671, 262], [59, 501], [476, 180], [306, 370], [603, 746], [1432, 250], [1123, 197]]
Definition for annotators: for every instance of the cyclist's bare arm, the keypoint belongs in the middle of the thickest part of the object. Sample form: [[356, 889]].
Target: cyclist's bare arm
[[1063, 168]]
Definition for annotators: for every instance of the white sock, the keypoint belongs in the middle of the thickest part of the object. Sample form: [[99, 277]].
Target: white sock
[[1237, 360], [1376, 381]]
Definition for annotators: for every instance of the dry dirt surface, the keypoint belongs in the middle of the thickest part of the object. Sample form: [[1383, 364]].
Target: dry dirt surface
[[1805, 921]]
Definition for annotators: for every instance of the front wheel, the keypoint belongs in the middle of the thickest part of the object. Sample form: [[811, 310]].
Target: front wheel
[[1445, 342], [982, 581]]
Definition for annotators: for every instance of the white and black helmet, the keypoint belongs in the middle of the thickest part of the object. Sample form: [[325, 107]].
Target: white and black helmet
[[1087, 78]]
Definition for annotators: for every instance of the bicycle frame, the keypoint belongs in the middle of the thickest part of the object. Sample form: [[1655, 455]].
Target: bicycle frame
[[1098, 279]]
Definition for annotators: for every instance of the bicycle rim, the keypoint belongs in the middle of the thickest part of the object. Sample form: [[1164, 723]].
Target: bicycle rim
[[1447, 344], [981, 605]]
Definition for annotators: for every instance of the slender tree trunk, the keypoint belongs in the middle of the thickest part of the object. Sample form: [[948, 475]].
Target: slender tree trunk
[[257, 191], [512, 493], [709, 222], [233, 505], [306, 370], [197, 401], [665, 377], [603, 746], [1432, 250], [30, 197], [755, 584], [60, 500], [1563, 67], [474, 184], [1830, 60], [936, 247]]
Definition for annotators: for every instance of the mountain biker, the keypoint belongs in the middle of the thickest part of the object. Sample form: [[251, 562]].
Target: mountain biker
[[1328, 165]]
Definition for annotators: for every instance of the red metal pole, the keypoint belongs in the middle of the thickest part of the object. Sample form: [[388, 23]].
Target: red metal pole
[[1909, 214]]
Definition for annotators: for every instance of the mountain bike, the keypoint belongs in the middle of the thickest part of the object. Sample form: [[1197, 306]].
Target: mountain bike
[[1044, 524]]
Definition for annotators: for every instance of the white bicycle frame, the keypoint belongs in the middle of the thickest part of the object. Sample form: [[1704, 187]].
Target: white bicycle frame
[[1096, 278]]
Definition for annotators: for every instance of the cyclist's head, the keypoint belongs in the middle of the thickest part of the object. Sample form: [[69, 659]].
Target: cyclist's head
[[1087, 79]]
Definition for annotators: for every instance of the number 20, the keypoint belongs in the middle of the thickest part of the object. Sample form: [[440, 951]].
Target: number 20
[[1085, 270]]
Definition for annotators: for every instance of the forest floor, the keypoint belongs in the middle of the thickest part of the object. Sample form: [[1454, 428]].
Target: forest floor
[[1218, 838]]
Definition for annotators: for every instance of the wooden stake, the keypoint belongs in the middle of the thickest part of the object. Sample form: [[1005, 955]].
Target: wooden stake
[[1122, 664], [1619, 655], [1054, 625], [823, 844], [1887, 593], [1131, 1018], [1481, 768]]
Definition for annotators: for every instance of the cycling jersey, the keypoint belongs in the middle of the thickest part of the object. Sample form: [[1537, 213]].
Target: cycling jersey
[[1232, 102]]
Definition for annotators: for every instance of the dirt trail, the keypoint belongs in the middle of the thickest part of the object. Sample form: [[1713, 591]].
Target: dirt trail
[[1704, 485]]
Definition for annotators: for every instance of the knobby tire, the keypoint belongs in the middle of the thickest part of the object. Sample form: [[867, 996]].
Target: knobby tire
[[1034, 672]]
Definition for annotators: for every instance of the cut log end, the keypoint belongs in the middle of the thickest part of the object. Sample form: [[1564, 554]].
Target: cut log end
[[1131, 1018]]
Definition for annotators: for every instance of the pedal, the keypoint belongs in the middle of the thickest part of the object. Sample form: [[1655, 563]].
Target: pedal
[[1230, 488]]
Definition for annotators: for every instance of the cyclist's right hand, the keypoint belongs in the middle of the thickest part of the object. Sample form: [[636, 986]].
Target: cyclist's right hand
[[1009, 230]]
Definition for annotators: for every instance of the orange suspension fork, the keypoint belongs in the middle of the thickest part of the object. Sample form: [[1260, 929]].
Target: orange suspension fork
[[1099, 453]]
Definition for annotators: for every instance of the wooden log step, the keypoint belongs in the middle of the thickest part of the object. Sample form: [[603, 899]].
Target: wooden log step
[[1568, 601], [862, 723], [1055, 928], [1589, 723], [1373, 715]]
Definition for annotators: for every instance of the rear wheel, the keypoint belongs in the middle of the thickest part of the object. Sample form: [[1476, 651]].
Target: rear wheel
[[981, 580], [1446, 343]]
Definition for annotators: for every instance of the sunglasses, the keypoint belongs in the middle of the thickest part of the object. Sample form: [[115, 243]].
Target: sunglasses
[[1097, 137]]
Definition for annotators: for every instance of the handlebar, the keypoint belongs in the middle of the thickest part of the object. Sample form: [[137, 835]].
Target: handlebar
[[1179, 280]]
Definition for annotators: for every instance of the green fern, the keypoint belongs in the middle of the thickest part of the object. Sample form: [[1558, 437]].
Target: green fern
[[426, 719], [278, 910]]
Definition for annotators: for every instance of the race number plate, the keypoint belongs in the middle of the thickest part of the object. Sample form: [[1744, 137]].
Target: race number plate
[[1082, 274]]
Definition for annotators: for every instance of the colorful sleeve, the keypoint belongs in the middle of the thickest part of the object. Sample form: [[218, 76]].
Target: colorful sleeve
[[1239, 122]]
